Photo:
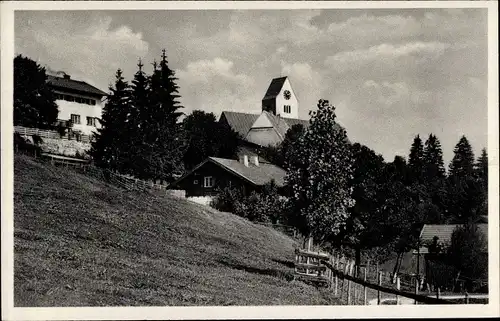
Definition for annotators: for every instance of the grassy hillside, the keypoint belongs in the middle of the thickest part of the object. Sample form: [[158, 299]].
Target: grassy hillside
[[81, 242]]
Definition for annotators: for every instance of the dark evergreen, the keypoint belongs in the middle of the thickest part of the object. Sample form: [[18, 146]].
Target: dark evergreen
[[433, 160], [416, 160], [110, 149], [462, 164], [34, 101]]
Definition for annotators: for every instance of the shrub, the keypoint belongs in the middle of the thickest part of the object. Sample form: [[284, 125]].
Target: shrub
[[227, 200], [468, 252]]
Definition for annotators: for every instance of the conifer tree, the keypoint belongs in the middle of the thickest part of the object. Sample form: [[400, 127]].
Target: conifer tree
[[110, 147], [481, 167], [433, 160], [136, 125], [164, 139], [416, 159], [462, 164], [318, 172], [34, 102]]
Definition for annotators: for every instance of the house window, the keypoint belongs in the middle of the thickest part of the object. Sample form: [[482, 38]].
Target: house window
[[75, 119], [208, 181], [90, 121], [92, 101], [287, 109]]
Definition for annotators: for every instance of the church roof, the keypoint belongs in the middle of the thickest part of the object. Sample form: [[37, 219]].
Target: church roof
[[274, 88], [239, 122]]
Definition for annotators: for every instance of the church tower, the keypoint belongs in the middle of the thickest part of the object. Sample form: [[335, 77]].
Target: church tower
[[280, 99]]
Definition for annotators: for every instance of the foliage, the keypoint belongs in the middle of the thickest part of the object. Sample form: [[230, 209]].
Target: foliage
[[362, 228], [141, 134], [207, 137], [318, 172], [468, 251], [462, 164], [278, 155], [109, 150], [34, 101], [416, 159], [433, 165], [263, 206]]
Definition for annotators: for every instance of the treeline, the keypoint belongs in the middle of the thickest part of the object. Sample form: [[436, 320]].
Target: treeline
[[142, 134], [345, 195]]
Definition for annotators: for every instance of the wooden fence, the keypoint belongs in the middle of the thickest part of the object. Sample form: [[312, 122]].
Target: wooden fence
[[26, 131], [363, 285], [83, 166]]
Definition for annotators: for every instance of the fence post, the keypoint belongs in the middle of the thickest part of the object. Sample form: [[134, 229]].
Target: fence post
[[364, 287], [398, 287], [438, 292], [466, 297], [336, 274], [416, 289], [349, 285], [355, 284], [380, 284]]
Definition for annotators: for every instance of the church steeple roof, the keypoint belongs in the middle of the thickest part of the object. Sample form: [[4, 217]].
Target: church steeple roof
[[274, 88]]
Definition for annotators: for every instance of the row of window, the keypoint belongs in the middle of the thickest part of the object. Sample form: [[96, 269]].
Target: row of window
[[287, 109], [91, 121], [80, 100]]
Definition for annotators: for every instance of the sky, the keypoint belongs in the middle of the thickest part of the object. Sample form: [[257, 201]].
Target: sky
[[392, 74]]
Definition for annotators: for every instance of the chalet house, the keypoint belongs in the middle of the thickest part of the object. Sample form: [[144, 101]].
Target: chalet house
[[78, 102], [247, 174]]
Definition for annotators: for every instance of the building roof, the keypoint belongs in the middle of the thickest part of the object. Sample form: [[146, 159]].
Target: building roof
[[239, 122], [256, 175], [274, 88], [242, 122], [74, 85], [443, 232]]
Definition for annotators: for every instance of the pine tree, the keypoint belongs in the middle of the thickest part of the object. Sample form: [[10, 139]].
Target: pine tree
[[481, 167], [433, 160], [111, 145], [138, 119], [416, 159], [164, 139], [34, 101], [318, 174], [462, 164]]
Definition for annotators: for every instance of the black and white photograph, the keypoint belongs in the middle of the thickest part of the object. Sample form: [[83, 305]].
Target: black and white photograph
[[281, 159]]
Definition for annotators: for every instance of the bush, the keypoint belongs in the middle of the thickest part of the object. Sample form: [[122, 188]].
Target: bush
[[267, 206], [468, 252], [23, 145], [227, 200]]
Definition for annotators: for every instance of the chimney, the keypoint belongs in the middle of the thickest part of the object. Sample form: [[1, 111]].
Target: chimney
[[255, 160], [244, 160]]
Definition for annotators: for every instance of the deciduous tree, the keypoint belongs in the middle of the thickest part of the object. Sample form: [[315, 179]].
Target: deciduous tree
[[34, 101], [318, 174]]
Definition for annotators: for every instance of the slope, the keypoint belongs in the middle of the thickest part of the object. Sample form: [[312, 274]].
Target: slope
[[82, 242]]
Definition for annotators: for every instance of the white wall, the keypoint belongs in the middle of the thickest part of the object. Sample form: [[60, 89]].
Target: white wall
[[66, 108], [263, 137], [293, 102]]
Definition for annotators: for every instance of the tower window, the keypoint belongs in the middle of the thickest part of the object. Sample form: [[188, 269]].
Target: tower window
[[287, 109]]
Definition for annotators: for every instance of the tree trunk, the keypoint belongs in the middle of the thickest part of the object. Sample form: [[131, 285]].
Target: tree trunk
[[396, 266]]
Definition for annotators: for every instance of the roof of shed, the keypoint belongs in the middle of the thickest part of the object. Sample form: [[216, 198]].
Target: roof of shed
[[74, 85], [443, 232]]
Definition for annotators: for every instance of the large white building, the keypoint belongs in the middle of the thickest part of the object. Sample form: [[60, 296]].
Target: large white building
[[77, 102]]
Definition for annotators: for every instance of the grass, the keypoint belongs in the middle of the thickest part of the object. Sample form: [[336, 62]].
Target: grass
[[82, 242]]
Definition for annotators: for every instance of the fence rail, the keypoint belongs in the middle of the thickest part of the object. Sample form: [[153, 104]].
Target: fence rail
[[27, 131], [368, 284]]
